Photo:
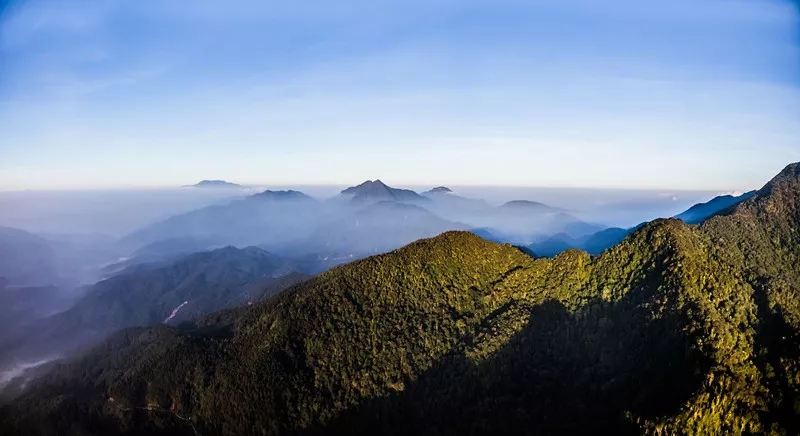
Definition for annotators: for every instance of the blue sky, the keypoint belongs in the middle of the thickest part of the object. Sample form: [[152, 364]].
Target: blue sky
[[680, 94]]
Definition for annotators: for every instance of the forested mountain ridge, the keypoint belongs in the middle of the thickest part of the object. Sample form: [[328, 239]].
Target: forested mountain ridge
[[676, 330]]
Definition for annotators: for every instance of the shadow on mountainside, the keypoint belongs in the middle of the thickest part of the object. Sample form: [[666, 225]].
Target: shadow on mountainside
[[564, 373], [777, 342]]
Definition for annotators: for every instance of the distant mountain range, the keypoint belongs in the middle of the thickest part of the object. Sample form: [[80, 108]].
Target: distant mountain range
[[360, 221], [380, 227], [63, 261], [677, 329], [596, 243]]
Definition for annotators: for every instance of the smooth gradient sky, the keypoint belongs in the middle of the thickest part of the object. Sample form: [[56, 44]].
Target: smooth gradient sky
[[681, 94]]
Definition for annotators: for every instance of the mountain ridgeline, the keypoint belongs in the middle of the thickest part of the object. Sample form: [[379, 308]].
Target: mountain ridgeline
[[150, 294], [677, 329], [700, 212], [358, 222]]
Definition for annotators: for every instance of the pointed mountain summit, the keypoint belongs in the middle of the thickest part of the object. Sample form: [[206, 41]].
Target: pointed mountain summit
[[376, 190]]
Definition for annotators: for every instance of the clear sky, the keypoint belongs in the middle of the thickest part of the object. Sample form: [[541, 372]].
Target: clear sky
[[682, 94]]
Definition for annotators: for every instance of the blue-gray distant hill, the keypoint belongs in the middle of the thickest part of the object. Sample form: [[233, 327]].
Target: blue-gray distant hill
[[270, 216], [699, 212], [214, 184]]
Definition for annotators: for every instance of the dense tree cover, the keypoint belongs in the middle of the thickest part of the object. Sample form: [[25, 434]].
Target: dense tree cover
[[676, 330]]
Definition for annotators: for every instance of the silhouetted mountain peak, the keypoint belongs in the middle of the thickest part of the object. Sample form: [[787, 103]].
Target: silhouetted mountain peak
[[368, 187], [377, 190], [282, 195], [214, 184], [438, 190]]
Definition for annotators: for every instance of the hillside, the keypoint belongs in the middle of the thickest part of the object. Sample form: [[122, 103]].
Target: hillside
[[149, 294], [676, 330]]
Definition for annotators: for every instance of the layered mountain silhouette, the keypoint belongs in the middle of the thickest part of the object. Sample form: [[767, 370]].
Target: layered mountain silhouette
[[678, 329], [379, 227], [375, 191], [527, 205], [594, 243], [360, 221], [154, 293], [269, 216], [599, 241], [438, 190], [531, 220], [451, 206], [288, 195]]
